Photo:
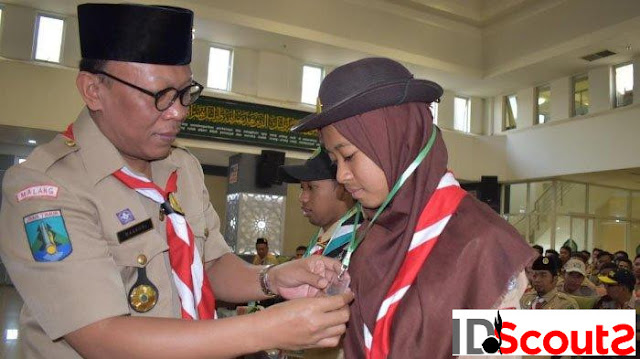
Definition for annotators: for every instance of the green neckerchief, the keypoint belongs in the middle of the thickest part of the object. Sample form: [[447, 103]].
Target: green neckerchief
[[314, 239]]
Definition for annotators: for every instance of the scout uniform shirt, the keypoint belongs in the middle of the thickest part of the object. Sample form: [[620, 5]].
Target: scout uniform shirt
[[551, 300], [75, 239]]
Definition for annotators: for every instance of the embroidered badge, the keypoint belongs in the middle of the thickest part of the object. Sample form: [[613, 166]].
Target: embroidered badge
[[125, 216], [47, 236], [41, 191]]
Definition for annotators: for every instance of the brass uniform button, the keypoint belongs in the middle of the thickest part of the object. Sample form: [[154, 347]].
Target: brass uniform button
[[142, 259], [70, 143]]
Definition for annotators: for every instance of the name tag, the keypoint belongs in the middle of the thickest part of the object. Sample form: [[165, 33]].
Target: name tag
[[135, 230]]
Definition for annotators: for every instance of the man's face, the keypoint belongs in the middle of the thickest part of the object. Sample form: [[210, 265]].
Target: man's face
[[320, 201], [572, 281], [262, 249], [615, 291], [604, 259], [543, 281], [129, 118], [636, 267], [299, 253], [564, 255], [624, 265]]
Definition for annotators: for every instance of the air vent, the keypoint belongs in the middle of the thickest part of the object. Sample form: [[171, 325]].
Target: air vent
[[598, 55]]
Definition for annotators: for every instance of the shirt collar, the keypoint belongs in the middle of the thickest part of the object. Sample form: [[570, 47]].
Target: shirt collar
[[101, 158]]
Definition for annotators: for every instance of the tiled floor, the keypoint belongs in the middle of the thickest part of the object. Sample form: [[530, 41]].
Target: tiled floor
[[10, 304]]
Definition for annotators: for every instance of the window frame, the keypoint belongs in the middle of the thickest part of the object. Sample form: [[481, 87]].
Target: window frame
[[545, 87], [614, 95], [468, 119], [322, 75], [574, 80], [34, 50], [229, 67], [506, 105]]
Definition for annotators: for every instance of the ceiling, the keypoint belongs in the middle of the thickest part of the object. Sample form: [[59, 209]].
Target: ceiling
[[535, 56]]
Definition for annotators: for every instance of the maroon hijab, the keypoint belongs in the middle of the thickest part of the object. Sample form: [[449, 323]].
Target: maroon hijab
[[469, 267]]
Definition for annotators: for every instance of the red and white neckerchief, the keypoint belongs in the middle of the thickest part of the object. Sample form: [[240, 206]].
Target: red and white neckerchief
[[433, 219], [196, 296]]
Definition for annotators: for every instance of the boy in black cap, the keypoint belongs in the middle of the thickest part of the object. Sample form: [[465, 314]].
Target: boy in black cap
[[619, 284], [325, 203], [546, 296], [108, 232]]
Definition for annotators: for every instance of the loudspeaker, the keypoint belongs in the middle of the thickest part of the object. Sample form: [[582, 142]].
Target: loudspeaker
[[267, 168], [489, 192]]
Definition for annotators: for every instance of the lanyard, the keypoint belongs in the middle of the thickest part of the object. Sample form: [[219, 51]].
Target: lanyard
[[344, 218], [356, 240]]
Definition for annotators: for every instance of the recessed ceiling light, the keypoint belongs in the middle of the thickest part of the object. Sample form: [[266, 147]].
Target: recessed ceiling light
[[11, 334], [32, 142]]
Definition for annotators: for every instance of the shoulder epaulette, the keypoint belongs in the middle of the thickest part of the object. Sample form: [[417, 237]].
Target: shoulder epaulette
[[44, 156]]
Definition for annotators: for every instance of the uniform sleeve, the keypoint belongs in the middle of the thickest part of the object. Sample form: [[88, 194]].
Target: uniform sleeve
[[214, 246], [54, 252]]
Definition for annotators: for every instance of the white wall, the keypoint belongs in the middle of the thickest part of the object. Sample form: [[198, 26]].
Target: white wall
[[595, 142], [600, 89]]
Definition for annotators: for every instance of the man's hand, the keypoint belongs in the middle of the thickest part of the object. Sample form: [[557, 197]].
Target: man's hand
[[309, 322], [303, 277]]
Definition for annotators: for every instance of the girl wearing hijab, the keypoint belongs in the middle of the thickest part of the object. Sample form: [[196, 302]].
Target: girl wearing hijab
[[425, 247]]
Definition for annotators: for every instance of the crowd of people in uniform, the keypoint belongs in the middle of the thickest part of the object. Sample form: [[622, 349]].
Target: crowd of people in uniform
[[574, 279]]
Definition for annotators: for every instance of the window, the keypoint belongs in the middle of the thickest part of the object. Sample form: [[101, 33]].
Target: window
[[434, 112], [461, 114], [580, 95], [510, 112], [48, 38], [311, 79], [623, 84], [544, 103], [220, 65]]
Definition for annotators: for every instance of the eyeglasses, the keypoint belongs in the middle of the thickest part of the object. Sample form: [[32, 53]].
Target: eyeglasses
[[165, 98]]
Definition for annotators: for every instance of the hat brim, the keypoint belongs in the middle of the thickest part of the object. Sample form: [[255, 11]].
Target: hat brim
[[606, 280], [385, 95], [575, 270], [298, 173]]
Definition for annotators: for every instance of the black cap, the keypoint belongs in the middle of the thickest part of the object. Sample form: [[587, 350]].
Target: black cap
[[316, 168], [546, 263], [621, 276], [136, 33]]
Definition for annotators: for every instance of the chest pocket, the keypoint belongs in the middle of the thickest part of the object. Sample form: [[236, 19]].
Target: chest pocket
[[130, 253]]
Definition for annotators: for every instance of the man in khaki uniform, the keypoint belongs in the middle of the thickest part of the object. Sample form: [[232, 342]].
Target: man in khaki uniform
[[263, 257], [575, 281], [325, 203], [329, 206], [93, 224], [546, 296]]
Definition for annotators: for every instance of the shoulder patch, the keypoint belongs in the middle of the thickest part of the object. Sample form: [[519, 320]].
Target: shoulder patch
[[47, 236], [38, 191]]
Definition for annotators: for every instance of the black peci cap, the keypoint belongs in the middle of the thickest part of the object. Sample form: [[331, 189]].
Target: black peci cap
[[136, 33]]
